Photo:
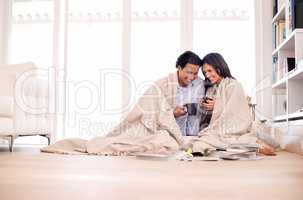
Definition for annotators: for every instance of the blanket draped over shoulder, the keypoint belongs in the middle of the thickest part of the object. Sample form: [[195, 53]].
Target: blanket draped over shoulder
[[150, 126], [231, 122]]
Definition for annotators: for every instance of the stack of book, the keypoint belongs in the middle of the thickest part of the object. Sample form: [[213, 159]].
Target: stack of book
[[294, 14], [279, 32], [275, 69], [240, 152], [293, 19]]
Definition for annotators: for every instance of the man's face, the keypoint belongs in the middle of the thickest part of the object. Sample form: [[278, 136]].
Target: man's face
[[188, 74]]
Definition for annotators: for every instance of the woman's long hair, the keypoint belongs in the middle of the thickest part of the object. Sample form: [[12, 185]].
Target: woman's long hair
[[217, 61]]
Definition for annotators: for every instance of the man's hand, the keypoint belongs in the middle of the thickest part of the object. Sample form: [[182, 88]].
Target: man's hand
[[208, 104], [179, 111]]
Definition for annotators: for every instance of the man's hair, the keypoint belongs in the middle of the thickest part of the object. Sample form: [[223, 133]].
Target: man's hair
[[217, 61], [188, 57]]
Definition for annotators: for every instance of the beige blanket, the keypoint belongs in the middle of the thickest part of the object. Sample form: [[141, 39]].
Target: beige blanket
[[231, 122], [151, 127]]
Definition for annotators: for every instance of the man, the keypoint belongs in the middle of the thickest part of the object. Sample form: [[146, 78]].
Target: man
[[190, 90], [158, 120]]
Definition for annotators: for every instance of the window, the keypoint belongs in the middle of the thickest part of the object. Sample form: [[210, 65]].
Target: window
[[93, 45], [98, 48], [155, 38], [227, 27], [31, 36]]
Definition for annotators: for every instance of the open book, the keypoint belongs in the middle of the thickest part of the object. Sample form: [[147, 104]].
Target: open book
[[233, 152], [240, 152]]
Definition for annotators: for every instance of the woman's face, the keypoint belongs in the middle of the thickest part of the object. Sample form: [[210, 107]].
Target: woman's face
[[188, 74], [211, 74]]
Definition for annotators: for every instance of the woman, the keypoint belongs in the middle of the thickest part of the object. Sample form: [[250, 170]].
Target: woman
[[231, 117]]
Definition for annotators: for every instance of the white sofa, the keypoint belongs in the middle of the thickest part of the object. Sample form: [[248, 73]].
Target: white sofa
[[23, 103]]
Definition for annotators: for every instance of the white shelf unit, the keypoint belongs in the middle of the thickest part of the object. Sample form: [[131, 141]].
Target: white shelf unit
[[287, 98], [288, 91], [287, 87]]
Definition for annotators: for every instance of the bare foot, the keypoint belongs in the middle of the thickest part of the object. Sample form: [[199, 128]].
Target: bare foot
[[266, 149]]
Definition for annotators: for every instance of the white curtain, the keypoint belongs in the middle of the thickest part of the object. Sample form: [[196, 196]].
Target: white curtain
[[105, 49], [227, 27]]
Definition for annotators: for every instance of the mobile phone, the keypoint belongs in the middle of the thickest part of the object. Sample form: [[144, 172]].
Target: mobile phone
[[206, 98]]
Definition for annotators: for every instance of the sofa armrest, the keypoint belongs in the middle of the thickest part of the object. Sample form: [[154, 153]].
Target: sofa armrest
[[6, 106], [31, 109]]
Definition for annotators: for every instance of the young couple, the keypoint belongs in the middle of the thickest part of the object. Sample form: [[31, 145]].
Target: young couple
[[192, 90], [196, 94], [219, 102], [176, 106]]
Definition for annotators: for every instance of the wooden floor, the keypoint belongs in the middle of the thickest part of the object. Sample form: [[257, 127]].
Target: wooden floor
[[28, 174]]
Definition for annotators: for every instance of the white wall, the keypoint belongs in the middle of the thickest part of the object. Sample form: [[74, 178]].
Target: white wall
[[263, 58], [3, 29]]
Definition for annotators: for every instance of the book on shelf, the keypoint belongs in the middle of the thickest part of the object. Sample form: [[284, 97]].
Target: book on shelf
[[288, 17], [279, 33], [280, 69], [276, 35], [282, 31], [280, 4], [297, 14], [293, 15], [275, 69], [289, 64], [274, 28], [275, 7]]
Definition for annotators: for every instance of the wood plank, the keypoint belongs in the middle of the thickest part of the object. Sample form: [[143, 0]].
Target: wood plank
[[33, 175]]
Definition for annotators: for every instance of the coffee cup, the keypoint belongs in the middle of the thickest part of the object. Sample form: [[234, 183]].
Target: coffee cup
[[191, 108]]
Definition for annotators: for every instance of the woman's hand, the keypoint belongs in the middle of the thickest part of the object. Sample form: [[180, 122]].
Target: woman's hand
[[208, 104], [179, 111]]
